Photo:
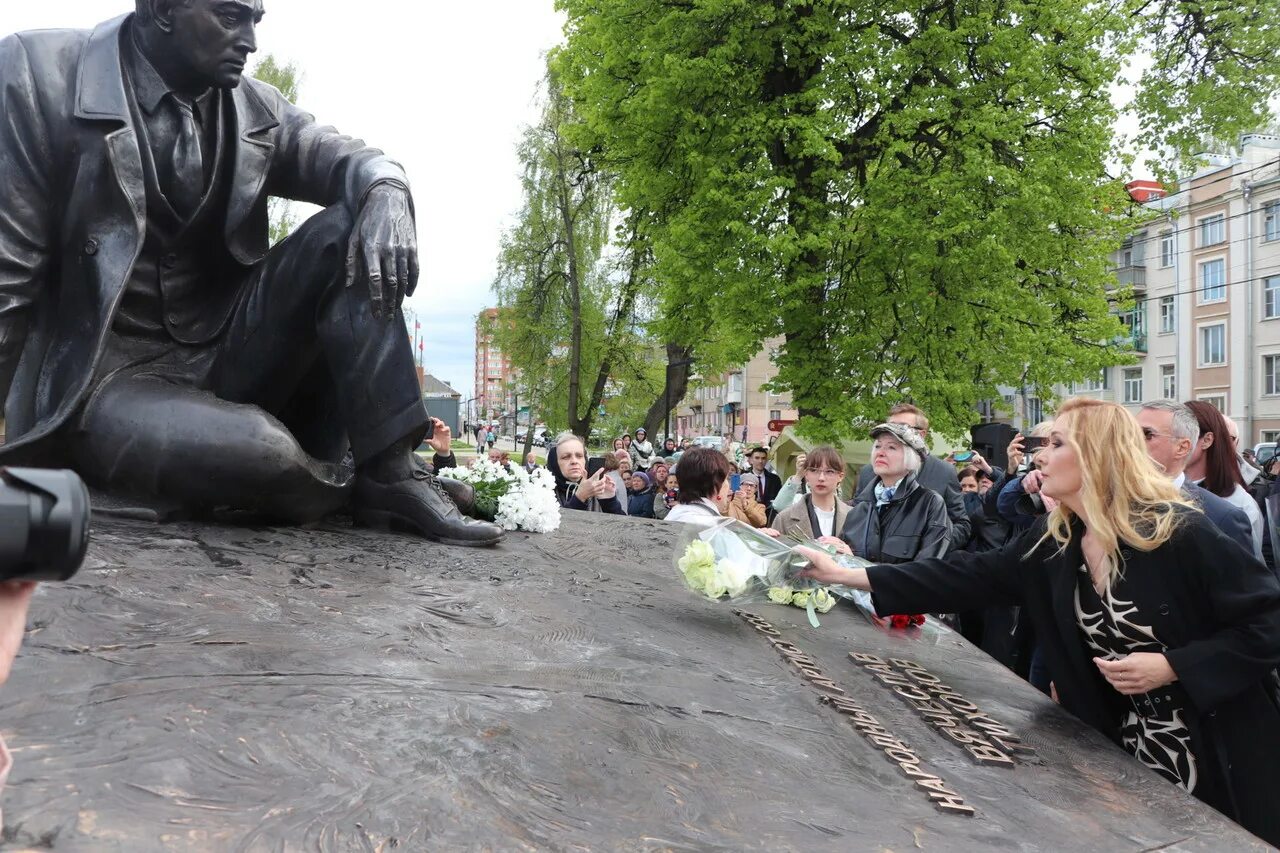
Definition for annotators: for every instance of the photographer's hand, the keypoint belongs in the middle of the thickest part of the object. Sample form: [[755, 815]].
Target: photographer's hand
[[15, 597]]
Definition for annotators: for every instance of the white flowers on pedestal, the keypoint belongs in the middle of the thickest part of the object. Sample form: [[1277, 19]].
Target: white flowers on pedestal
[[516, 499]]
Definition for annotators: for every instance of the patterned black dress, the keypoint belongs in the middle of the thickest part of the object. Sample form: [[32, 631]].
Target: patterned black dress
[[1112, 627]]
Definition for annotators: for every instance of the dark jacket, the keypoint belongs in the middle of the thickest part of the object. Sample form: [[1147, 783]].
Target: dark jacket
[[939, 477], [1215, 607], [770, 485], [912, 526], [1017, 507], [69, 246], [565, 491], [1226, 516], [990, 533], [640, 504]]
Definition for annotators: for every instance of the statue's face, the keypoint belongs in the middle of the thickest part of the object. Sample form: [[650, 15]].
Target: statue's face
[[215, 37]]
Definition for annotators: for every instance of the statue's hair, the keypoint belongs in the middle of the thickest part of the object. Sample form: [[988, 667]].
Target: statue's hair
[[1122, 491]]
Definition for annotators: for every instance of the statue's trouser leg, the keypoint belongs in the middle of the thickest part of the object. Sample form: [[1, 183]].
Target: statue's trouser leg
[[297, 313], [146, 435]]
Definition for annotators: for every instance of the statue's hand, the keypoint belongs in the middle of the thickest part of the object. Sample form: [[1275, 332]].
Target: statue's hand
[[384, 249]]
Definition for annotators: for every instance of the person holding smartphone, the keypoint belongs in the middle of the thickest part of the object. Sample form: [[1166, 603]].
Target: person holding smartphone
[[575, 488]]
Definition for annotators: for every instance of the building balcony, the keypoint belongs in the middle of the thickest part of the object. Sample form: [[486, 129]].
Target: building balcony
[[1133, 276], [1136, 341]]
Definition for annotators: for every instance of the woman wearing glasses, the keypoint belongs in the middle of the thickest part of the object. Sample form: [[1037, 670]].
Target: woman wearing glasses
[[1156, 628], [819, 513]]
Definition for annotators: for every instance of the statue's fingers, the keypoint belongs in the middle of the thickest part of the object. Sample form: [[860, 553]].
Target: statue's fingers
[[412, 253], [402, 272], [353, 246], [373, 268]]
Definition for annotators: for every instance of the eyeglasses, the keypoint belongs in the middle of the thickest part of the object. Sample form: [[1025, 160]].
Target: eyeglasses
[[823, 472]]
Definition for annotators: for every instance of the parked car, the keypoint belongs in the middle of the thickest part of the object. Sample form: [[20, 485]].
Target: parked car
[[1266, 451], [713, 441]]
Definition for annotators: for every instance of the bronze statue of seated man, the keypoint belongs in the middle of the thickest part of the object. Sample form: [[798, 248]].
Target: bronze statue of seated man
[[149, 336]]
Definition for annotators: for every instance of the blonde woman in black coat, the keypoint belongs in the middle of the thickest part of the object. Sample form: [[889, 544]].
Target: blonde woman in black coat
[[1157, 629]]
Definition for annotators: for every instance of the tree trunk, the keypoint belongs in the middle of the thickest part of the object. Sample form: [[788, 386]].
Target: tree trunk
[[674, 388], [528, 432], [579, 425]]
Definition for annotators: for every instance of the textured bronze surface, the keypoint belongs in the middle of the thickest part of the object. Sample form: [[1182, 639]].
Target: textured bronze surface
[[210, 688]]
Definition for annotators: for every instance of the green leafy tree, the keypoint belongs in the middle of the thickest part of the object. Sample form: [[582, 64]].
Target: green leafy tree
[[914, 195], [568, 307], [287, 79]]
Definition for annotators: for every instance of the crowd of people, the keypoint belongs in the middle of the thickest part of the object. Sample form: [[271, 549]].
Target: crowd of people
[[1121, 564]]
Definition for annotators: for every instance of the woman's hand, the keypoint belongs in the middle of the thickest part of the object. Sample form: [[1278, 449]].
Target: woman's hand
[[441, 440], [1140, 672], [839, 544], [980, 463], [15, 597], [769, 531], [823, 568], [596, 486], [1015, 453], [1031, 482]]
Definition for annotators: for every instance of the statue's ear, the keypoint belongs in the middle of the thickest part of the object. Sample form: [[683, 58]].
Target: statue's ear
[[162, 14]]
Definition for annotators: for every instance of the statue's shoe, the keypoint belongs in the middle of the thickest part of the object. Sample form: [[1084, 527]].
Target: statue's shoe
[[419, 504], [462, 494]]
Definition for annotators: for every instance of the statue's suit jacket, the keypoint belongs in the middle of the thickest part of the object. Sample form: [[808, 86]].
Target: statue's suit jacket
[[73, 209]]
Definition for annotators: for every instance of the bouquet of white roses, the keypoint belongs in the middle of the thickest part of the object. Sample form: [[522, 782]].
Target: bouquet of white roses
[[734, 560], [512, 498]]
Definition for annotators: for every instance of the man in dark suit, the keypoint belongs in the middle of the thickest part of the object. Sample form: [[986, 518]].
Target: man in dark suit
[[770, 483], [1171, 431], [935, 475], [148, 335]]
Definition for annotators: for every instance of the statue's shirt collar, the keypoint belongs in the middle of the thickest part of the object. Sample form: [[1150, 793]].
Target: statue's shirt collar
[[149, 87]]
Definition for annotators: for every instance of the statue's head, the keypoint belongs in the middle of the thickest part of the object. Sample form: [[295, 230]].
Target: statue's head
[[207, 42]]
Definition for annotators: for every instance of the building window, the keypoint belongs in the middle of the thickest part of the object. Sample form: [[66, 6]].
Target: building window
[[1218, 401], [1213, 280], [1270, 436], [1271, 296], [1035, 411], [1097, 383], [1133, 385], [1168, 315], [1213, 230], [1213, 345], [1168, 382], [1271, 221], [1166, 250], [775, 414], [1271, 375]]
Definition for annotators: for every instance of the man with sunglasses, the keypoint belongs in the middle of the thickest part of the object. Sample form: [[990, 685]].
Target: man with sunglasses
[[1171, 432]]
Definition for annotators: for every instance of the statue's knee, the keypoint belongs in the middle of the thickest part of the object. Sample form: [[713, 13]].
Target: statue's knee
[[266, 446], [330, 227]]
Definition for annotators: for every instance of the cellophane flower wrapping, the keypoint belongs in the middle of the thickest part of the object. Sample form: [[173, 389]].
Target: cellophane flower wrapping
[[512, 498], [733, 561]]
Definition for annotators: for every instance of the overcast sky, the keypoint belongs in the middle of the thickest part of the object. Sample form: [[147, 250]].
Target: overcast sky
[[445, 88]]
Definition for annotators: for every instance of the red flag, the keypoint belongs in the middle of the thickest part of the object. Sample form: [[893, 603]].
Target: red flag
[[416, 326], [422, 346]]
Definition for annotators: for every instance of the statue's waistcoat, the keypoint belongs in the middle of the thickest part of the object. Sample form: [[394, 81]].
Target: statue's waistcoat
[[185, 282]]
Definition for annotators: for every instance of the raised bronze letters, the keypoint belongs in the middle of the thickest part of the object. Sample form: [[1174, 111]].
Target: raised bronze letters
[[896, 750], [985, 740]]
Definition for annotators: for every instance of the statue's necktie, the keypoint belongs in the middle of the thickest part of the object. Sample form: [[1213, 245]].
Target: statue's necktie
[[186, 184]]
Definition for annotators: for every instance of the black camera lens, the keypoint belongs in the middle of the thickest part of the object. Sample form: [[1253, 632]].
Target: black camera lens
[[44, 524]]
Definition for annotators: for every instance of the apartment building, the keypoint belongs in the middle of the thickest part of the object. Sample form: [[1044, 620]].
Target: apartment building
[[1206, 277], [735, 402], [494, 378]]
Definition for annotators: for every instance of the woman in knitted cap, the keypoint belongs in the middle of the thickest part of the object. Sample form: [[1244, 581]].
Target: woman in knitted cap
[[640, 496]]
